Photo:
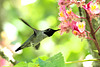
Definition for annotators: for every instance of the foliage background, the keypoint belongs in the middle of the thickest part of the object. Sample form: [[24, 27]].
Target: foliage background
[[40, 15]]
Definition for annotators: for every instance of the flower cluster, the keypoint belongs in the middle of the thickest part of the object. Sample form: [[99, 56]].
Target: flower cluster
[[71, 21]]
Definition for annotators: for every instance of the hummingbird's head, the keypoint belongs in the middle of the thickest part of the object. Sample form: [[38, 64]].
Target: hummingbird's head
[[49, 32]]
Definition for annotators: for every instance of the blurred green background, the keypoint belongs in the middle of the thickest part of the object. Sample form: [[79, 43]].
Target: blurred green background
[[40, 14]]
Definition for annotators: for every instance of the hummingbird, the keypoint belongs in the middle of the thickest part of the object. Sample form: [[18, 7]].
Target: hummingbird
[[35, 39]]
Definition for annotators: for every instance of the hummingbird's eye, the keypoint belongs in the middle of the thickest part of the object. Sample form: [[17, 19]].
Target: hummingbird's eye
[[48, 29]]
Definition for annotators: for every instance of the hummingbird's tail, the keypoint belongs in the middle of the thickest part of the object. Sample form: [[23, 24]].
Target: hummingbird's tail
[[26, 44]]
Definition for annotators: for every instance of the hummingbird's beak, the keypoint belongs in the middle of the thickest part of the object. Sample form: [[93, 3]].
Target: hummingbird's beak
[[58, 30]]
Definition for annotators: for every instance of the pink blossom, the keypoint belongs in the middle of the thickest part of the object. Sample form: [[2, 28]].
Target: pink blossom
[[61, 2], [2, 62], [62, 14], [78, 28], [82, 0], [65, 27], [71, 16], [67, 15], [92, 8], [98, 1], [75, 32], [74, 27], [81, 26]]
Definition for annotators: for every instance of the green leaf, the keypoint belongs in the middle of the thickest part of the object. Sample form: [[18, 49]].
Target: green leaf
[[55, 61], [42, 57], [21, 64], [33, 65]]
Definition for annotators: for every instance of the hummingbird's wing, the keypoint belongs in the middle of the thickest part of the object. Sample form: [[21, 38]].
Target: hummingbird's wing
[[35, 31], [37, 46], [27, 43]]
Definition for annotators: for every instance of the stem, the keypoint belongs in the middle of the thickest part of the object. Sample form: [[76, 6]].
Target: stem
[[90, 39], [82, 61], [79, 8], [88, 33], [5, 57], [97, 29], [82, 17], [92, 31]]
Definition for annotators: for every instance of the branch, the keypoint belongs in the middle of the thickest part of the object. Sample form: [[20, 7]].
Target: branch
[[97, 29], [82, 61], [5, 57], [92, 31], [90, 38]]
